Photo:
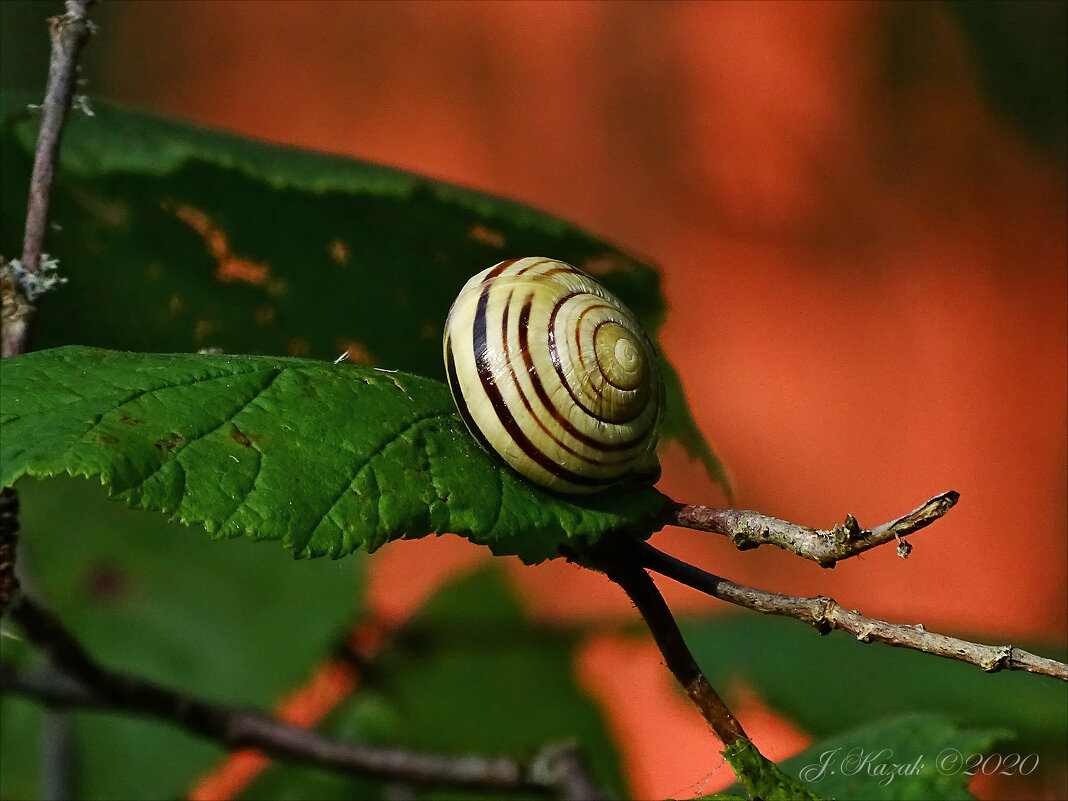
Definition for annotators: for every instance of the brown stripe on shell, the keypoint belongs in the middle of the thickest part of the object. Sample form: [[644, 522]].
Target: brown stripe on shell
[[546, 402], [532, 265], [567, 269], [498, 269], [529, 366], [554, 354], [504, 415], [461, 402], [578, 343]]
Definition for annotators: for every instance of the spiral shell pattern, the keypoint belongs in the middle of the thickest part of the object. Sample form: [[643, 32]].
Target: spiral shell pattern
[[554, 375]]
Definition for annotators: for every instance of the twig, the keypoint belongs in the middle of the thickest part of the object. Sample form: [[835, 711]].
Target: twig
[[88, 684], [748, 529], [827, 614], [57, 756], [22, 280], [619, 560], [563, 768], [69, 33], [9, 536]]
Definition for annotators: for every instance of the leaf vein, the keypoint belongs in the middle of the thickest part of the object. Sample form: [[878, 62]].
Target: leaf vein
[[255, 477], [180, 449], [141, 393], [359, 472]]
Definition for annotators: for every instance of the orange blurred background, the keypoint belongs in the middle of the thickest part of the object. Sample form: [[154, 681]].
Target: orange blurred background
[[865, 263]]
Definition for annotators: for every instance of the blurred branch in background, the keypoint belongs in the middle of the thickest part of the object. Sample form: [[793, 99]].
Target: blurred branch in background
[[78, 681]]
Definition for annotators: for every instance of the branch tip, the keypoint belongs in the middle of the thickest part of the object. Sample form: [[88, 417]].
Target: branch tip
[[749, 529]]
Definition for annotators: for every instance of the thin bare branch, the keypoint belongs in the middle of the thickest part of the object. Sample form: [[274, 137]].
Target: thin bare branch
[[747, 529], [620, 562], [827, 614], [85, 683], [23, 279], [69, 32], [9, 535]]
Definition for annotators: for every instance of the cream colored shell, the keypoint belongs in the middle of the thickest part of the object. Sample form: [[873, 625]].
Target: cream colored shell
[[554, 375]]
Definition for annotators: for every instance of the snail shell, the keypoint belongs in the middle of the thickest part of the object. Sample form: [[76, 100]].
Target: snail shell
[[554, 375]]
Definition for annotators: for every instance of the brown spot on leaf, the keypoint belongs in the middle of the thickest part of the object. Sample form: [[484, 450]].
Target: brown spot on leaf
[[203, 329], [238, 436], [230, 267], [298, 346], [358, 352], [169, 442], [175, 305], [265, 315], [130, 420], [108, 211], [339, 251], [277, 287], [107, 439], [105, 583], [486, 235], [235, 269]]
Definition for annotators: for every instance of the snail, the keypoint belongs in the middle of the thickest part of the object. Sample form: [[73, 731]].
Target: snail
[[554, 376]]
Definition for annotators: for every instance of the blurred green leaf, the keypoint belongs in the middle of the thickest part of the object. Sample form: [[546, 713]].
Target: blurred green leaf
[[1020, 52], [468, 674], [326, 458], [230, 621], [904, 758], [794, 669], [21, 727], [176, 238], [24, 43]]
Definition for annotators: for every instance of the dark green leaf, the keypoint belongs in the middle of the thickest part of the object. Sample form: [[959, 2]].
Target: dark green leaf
[[21, 731], [906, 758], [175, 238], [230, 621], [468, 674], [326, 458], [796, 670]]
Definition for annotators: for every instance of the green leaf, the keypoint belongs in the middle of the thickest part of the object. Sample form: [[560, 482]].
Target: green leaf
[[191, 238], [918, 756], [21, 727], [230, 621], [468, 674], [326, 458], [793, 668], [762, 778]]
